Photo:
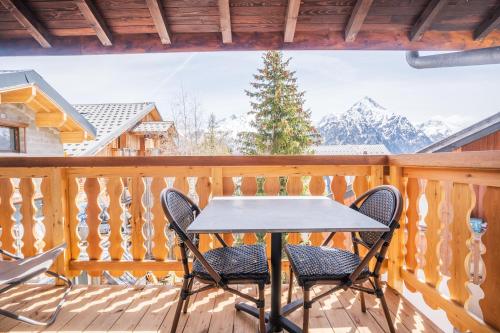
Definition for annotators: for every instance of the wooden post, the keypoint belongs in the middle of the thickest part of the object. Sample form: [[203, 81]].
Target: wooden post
[[376, 175], [216, 182], [396, 249], [60, 216]]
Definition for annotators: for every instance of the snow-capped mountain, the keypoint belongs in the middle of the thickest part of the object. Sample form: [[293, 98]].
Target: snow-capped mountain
[[231, 126], [436, 129], [367, 122]]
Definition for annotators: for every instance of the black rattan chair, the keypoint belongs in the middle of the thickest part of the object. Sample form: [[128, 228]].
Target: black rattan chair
[[313, 265], [217, 268]]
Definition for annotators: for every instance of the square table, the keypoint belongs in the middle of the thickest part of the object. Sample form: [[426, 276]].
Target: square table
[[276, 215]]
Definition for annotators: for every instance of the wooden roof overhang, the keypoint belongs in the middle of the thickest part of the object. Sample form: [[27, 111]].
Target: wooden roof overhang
[[44, 27], [48, 113]]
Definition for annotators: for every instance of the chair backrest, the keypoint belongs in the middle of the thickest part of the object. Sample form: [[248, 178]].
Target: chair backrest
[[384, 204], [181, 212]]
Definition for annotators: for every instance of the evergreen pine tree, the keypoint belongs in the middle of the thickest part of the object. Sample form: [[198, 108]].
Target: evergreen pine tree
[[282, 125], [213, 141]]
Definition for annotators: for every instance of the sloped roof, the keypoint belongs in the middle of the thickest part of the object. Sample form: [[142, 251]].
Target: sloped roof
[[110, 120], [10, 79], [467, 135], [156, 127], [380, 149]]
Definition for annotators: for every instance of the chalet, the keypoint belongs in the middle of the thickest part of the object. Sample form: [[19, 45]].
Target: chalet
[[36, 120], [125, 129], [483, 135]]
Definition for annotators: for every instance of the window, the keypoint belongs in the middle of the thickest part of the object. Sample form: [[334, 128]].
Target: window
[[9, 139]]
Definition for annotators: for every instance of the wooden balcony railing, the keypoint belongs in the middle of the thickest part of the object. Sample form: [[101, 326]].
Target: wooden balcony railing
[[107, 210]]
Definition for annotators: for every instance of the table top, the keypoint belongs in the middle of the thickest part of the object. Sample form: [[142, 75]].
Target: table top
[[280, 214]]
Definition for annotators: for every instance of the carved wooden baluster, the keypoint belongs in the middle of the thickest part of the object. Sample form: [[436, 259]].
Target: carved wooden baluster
[[463, 201], [490, 304], [338, 188], [360, 186], [446, 219], [48, 217], [227, 186], [249, 188], [203, 189], [294, 186], [181, 184], [92, 189], [271, 187], [317, 187], [115, 190], [434, 196], [159, 221], [6, 215], [74, 197], [412, 215], [27, 190], [136, 189]]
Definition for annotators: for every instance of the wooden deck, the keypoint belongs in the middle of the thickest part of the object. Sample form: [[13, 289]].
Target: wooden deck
[[150, 309]]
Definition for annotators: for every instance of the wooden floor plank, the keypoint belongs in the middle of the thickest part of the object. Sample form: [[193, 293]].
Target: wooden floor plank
[[110, 309], [161, 305], [45, 309], [364, 321], [243, 322], [223, 313], [24, 305], [73, 306], [202, 312], [151, 309], [335, 313], [167, 322], [411, 318], [136, 310]]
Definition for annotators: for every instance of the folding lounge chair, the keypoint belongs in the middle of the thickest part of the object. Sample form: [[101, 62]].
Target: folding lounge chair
[[17, 271]]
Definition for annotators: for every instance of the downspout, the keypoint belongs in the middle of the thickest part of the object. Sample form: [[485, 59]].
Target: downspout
[[485, 56]]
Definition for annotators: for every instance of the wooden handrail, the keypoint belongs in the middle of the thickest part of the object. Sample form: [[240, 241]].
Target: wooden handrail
[[467, 160]]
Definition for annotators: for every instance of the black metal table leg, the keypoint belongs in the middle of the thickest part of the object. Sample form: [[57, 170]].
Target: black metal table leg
[[275, 321], [274, 316]]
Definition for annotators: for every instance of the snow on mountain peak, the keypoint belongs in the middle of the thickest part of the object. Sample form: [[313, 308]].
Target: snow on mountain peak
[[367, 122]]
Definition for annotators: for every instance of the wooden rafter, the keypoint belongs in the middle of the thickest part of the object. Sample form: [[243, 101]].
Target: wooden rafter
[[357, 18], [26, 18], [488, 25], [425, 20], [91, 13], [159, 19], [292, 14], [225, 21]]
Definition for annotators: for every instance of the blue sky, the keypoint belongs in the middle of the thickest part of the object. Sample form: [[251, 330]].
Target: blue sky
[[333, 81]]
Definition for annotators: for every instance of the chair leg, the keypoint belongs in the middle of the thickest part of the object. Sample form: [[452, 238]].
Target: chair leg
[[362, 299], [290, 286], [305, 321], [186, 302], [182, 298], [387, 313], [262, 315]]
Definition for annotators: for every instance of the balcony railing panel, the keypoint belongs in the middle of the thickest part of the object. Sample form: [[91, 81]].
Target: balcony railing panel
[[108, 211]]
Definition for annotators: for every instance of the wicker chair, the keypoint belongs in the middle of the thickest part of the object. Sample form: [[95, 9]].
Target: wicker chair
[[313, 265], [217, 268]]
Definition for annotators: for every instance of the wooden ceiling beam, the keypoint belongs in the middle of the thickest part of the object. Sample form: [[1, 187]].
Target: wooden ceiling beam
[[26, 18], [159, 19], [292, 13], [92, 15], [358, 16], [225, 21], [50, 119], [488, 25], [425, 20]]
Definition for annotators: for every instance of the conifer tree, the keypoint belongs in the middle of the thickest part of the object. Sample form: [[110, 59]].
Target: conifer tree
[[282, 125]]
